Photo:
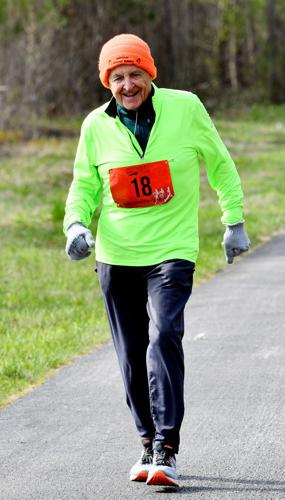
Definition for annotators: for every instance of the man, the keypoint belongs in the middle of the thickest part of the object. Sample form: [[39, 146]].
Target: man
[[139, 154]]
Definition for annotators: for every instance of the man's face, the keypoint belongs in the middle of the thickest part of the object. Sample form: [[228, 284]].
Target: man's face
[[130, 86]]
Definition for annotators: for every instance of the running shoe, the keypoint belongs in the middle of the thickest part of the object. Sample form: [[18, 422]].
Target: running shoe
[[139, 471], [163, 470]]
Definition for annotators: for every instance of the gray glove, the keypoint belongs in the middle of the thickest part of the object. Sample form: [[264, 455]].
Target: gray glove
[[235, 241], [79, 241]]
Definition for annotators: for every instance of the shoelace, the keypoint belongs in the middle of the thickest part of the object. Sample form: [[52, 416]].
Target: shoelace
[[164, 457], [147, 456]]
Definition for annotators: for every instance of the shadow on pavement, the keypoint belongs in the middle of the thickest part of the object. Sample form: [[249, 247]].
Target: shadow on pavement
[[236, 485]]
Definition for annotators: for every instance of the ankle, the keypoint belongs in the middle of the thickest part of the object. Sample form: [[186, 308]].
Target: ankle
[[147, 442], [159, 446]]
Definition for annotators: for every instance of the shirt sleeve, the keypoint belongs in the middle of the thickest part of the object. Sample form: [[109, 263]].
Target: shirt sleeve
[[221, 170], [85, 191]]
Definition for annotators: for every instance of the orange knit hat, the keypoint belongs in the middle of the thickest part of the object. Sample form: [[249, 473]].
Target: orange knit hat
[[125, 49]]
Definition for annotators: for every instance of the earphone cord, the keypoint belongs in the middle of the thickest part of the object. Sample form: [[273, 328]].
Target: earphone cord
[[135, 129]]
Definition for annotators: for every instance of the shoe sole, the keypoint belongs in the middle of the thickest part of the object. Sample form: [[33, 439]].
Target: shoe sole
[[160, 479], [140, 476]]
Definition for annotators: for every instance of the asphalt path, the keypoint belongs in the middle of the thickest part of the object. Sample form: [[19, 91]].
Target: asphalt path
[[73, 437]]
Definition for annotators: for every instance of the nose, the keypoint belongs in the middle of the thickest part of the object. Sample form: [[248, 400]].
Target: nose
[[128, 84]]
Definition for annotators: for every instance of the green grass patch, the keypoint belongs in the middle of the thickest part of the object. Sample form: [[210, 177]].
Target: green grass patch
[[51, 308], [257, 145]]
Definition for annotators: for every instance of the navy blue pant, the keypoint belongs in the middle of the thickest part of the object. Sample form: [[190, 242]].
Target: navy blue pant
[[145, 309]]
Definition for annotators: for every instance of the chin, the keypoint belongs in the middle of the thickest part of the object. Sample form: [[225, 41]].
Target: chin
[[132, 105], [132, 108]]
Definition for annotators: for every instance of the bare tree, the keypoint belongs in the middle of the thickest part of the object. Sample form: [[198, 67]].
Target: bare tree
[[276, 51], [50, 49]]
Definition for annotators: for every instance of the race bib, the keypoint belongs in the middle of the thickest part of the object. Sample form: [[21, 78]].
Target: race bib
[[142, 185]]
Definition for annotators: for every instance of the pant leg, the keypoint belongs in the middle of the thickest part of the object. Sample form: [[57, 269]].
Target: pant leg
[[169, 287], [124, 292]]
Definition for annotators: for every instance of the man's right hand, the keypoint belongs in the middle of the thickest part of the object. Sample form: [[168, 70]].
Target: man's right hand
[[79, 242]]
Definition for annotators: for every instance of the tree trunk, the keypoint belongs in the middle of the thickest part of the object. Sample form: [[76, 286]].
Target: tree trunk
[[29, 97], [232, 60], [275, 56]]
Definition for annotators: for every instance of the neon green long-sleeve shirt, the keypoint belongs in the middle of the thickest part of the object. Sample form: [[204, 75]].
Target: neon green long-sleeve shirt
[[182, 132]]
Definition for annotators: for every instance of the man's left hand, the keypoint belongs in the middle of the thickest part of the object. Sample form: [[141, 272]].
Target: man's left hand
[[235, 241]]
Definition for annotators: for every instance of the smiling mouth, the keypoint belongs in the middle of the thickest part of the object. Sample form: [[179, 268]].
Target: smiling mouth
[[131, 95]]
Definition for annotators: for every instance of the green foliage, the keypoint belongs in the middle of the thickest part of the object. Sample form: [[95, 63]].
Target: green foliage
[[16, 15], [3, 11]]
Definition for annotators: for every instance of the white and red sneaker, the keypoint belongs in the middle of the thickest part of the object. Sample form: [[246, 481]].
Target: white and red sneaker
[[163, 470], [139, 471]]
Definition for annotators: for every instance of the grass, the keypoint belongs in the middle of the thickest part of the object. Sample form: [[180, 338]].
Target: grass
[[256, 141], [51, 308]]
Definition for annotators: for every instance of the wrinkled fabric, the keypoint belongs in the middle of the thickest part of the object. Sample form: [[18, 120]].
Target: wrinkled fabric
[[145, 309], [181, 134]]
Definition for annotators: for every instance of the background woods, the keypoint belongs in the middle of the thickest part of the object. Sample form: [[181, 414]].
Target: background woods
[[225, 48]]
